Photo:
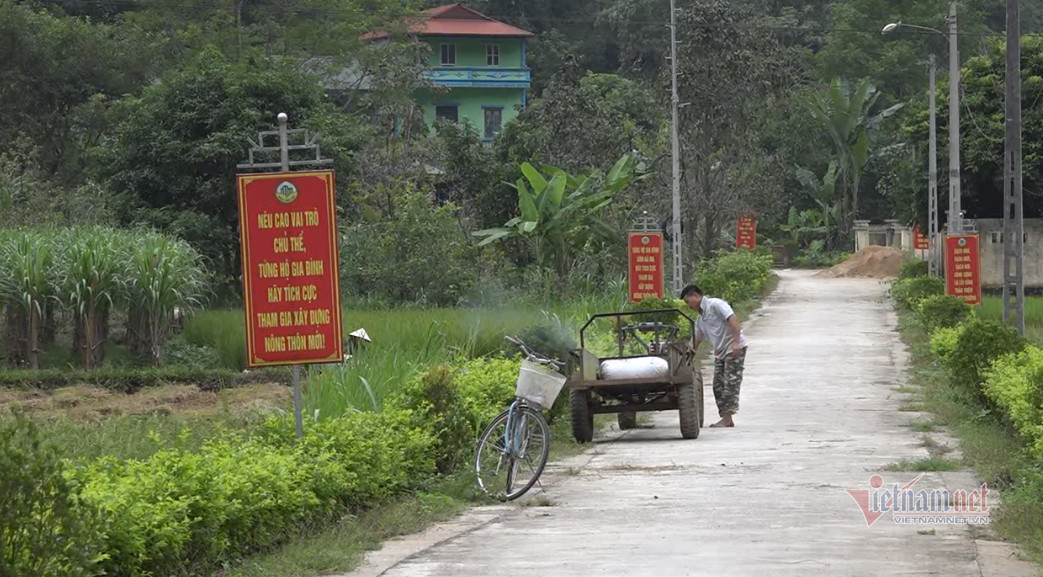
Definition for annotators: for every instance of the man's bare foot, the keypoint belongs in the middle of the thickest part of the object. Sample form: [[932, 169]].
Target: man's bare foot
[[724, 422]]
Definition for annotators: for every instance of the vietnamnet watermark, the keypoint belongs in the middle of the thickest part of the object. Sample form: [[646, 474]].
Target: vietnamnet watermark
[[924, 506]]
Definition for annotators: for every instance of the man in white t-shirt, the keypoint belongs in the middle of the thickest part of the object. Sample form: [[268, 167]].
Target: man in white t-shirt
[[718, 324]]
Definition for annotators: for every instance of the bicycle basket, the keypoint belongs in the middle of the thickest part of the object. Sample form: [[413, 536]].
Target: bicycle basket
[[538, 384]]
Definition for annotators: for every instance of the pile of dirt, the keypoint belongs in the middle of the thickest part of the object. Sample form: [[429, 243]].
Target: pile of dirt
[[870, 262]]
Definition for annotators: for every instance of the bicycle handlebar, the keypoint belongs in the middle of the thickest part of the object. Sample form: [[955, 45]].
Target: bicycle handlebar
[[533, 355]]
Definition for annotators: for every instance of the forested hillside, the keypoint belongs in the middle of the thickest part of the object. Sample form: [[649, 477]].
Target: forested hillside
[[134, 112]]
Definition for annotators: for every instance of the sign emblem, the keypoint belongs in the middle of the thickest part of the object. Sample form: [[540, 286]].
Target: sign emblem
[[645, 240], [286, 192]]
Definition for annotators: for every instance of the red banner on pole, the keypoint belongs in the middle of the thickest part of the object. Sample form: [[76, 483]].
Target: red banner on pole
[[645, 250], [291, 289], [746, 234], [962, 268], [920, 240]]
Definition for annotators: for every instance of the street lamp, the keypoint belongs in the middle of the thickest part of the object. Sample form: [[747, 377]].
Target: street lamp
[[955, 213]]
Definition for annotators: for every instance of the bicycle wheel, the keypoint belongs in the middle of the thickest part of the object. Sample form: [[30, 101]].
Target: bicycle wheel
[[512, 453]]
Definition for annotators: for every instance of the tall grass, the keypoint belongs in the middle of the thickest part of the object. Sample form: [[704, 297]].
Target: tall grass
[[992, 309]]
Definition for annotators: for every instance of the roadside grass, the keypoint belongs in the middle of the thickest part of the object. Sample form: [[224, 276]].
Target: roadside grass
[[928, 465], [923, 426], [340, 548], [988, 445]]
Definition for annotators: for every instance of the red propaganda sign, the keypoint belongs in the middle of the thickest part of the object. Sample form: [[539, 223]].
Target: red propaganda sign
[[920, 240], [646, 265], [291, 289], [962, 267], [746, 235]]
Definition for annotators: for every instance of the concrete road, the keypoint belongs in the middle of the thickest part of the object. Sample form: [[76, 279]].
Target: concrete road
[[819, 414]]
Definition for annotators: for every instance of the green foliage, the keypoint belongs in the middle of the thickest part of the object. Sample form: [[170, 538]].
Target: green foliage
[[550, 338], [844, 113], [979, 345], [131, 380], [561, 213], [174, 150], [438, 406], [181, 353], [943, 342], [909, 292], [735, 276], [93, 273], [410, 252], [942, 311], [665, 318], [178, 510], [913, 268], [1013, 384], [816, 256], [45, 530], [222, 332], [583, 121], [486, 386]]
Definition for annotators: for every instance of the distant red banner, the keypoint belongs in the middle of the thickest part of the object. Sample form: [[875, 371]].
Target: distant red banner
[[288, 236], [963, 268], [746, 234], [920, 240], [645, 250]]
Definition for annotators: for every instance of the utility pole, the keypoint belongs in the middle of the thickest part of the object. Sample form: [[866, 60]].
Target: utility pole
[[675, 229], [955, 213], [932, 178], [1013, 226]]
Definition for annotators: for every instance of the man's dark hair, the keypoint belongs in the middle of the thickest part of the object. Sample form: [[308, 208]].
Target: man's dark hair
[[689, 290]]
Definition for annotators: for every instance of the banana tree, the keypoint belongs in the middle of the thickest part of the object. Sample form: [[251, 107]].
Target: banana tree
[[823, 192], [560, 213], [844, 113]]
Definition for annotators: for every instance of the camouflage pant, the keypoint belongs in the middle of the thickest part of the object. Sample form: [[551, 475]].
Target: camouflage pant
[[727, 378]]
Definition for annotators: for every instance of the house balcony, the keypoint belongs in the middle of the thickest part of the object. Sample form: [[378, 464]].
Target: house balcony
[[479, 77]]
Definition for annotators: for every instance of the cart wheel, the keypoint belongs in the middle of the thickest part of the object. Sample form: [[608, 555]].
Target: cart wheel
[[582, 417], [688, 410], [627, 420]]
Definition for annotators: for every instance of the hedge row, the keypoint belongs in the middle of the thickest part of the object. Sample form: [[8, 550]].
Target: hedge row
[[133, 380], [986, 360], [182, 512]]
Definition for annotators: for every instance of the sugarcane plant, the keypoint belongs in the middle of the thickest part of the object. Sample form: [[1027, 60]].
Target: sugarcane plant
[[95, 277], [26, 285]]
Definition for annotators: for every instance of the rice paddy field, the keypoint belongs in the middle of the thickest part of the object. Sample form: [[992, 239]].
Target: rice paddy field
[[992, 308]]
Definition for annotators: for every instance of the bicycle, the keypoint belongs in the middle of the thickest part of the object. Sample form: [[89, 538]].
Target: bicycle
[[513, 449]]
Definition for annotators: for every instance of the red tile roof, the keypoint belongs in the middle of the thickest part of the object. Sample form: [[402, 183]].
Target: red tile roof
[[456, 20]]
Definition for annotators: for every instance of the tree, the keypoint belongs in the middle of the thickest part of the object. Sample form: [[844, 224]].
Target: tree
[[560, 212], [730, 72], [582, 121], [173, 151], [823, 192], [55, 69], [982, 129], [844, 114]]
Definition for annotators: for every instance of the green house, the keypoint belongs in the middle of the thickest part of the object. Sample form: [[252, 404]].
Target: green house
[[479, 65]]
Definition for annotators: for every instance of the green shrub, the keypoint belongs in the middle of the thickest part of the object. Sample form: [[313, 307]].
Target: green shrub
[[909, 292], [486, 387], [180, 512], [735, 276], [978, 346], [913, 268], [665, 318], [45, 530], [1013, 384], [437, 405], [943, 342], [181, 353], [942, 311], [551, 339]]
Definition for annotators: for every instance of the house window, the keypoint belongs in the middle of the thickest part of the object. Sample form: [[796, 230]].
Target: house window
[[493, 121], [492, 54], [449, 55], [447, 113]]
